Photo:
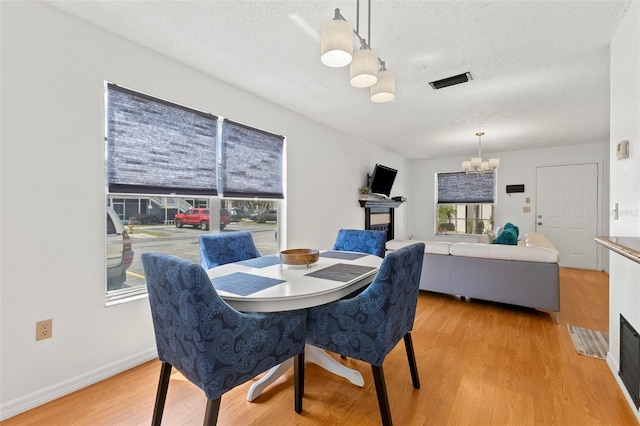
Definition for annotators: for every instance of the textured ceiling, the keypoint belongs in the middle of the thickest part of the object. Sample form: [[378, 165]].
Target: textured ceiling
[[540, 68]]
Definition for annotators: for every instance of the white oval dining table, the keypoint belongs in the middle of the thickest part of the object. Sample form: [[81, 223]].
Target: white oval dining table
[[265, 285]]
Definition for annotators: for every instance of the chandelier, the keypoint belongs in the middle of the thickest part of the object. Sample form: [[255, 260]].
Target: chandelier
[[476, 165], [366, 69]]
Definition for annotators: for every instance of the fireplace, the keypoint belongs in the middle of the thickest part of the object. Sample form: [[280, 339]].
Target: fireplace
[[630, 359]]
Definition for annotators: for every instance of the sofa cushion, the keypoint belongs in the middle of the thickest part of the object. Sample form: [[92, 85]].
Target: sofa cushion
[[430, 247], [536, 239], [505, 252]]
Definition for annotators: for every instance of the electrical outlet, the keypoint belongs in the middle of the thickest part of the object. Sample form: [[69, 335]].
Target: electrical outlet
[[44, 329]]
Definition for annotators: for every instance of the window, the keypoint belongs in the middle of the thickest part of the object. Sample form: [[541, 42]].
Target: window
[[128, 238], [465, 203], [173, 173]]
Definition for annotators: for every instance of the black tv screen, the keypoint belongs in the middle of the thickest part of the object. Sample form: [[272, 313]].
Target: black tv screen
[[382, 180]]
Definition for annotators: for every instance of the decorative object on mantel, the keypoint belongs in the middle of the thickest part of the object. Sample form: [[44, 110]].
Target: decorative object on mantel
[[476, 165], [364, 192], [366, 68]]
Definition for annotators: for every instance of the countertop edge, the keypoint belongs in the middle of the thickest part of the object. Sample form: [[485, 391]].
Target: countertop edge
[[616, 245]]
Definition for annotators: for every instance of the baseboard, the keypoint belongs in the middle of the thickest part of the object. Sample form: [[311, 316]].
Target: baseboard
[[12, 408], [614, 367]]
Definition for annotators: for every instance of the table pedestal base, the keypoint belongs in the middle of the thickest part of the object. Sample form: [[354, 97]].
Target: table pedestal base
[[312, 354]]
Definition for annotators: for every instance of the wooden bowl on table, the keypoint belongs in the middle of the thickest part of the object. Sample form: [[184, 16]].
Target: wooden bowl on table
[[299, 257]]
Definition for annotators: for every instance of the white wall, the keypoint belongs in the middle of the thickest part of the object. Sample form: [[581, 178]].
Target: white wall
[[624, 281], [52, 194], [516, 167]]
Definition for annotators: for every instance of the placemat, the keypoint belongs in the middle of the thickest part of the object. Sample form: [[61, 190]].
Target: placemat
[[342, 255], [260, 262], [341, 272], [243, 284]]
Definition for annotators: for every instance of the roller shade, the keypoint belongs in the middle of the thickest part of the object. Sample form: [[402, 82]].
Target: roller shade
[[158, 147], [466, 188], [252, 162]]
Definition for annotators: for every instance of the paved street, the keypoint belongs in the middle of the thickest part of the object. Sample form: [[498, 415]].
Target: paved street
[[184, 243]]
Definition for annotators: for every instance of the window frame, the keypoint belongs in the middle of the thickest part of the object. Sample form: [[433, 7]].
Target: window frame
[[477, 199], [121, 196]]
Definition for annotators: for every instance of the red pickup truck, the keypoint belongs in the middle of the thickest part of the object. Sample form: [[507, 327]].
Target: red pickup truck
[[199, 218]]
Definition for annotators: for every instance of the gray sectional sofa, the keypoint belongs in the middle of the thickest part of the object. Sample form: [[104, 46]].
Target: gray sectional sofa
[[524, 275]]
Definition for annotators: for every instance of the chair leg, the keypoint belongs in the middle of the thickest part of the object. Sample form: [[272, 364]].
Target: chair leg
[[161, 394], [298, 379], [381, 391], [411, 356], [211, 412]]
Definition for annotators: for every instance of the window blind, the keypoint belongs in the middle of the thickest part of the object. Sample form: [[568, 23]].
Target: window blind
[[158, 147], [466, 188], [252, 162]]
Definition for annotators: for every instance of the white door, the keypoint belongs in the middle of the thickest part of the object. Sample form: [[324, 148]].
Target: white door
[[567, 212]]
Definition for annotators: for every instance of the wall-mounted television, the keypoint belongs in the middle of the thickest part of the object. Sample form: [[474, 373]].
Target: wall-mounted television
[[382, 179]]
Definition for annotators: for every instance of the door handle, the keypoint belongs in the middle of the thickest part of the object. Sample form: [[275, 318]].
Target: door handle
[[539, 223]]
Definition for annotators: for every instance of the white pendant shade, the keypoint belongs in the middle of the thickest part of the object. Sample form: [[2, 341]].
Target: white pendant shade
[[494, 163], [336, 43], [385, 88], [366, 69], [363, 70]]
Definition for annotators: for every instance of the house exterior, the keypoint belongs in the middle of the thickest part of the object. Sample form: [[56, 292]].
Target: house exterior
[[53, 71]]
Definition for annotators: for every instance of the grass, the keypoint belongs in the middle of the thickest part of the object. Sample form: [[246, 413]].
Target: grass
[[152, 233]]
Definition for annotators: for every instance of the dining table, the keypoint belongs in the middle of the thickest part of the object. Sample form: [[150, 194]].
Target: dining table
[[264, 284]]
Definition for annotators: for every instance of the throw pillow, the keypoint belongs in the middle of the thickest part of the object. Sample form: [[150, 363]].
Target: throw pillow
[[510, 225], [507, 236]]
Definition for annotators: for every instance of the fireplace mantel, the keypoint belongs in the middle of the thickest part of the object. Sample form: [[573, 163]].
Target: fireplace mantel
[[378, 215], [628, 247]]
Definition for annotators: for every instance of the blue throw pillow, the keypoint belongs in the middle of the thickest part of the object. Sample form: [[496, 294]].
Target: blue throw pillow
[[510, 225], [508, 236]]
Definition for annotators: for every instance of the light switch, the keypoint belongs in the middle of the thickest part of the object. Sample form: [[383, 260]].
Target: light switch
[[526, 209], [527, 200]]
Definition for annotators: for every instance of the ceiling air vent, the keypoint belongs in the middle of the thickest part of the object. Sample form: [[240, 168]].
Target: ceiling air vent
[[450, 81]]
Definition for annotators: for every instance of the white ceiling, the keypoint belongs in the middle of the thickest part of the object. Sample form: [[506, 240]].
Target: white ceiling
[[540, 68]]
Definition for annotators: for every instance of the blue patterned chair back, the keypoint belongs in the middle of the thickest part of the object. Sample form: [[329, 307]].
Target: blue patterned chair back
[[220, 249], [209, 342], [369, 325], [362, 241]]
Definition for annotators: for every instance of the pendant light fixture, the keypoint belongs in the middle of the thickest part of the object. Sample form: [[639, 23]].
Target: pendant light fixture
[[336, 42], [476, 165], [363, 70], [385, 88], [366, 69]]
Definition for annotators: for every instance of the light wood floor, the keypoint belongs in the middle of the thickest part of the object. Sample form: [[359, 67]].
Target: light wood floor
[[480, 364]]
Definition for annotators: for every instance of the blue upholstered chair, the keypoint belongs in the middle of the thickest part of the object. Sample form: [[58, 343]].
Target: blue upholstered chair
[[362, 241], [369, 325], [220, 249], [210, 343]]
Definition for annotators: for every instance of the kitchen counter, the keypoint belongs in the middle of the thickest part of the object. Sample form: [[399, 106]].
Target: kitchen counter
[[628, 247]]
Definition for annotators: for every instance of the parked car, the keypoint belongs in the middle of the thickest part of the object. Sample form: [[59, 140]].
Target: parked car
[[199, 218], [267, 216], [142, 219], [225, 218], [237, 214], [119, 252]]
